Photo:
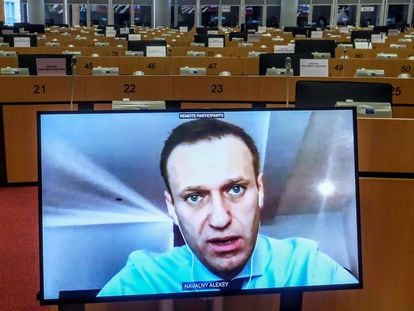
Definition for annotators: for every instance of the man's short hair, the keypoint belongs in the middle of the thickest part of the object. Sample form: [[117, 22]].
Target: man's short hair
[[204, 129]]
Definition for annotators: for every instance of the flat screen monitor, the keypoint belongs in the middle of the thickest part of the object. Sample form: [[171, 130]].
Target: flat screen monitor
[[196, 203], [46, 64], [361, 35], [205, 30], [278, 60], [31, 28], [306, 31], [205, 39], [238, 35], [314, 45], [16, 40], [141, 45]]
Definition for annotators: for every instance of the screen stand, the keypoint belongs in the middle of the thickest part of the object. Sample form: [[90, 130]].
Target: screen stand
[[71, 307], [291, 301]]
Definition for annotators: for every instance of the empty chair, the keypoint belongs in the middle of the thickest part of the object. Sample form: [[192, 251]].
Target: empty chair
[[312, 94]]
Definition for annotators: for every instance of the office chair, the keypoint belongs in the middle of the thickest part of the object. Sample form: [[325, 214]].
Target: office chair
[[312, 94]]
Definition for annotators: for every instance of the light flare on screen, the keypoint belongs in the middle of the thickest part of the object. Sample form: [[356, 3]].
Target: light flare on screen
[[95, 185], [326, 188]]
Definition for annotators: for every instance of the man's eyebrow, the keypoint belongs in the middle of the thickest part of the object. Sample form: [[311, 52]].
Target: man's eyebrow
[[232, 181], [190, 189]]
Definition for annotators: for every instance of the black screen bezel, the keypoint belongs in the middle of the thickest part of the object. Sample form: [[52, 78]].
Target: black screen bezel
[[82, 297]]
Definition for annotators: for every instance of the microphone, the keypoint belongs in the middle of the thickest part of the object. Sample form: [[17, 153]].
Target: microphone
[[288, 65]]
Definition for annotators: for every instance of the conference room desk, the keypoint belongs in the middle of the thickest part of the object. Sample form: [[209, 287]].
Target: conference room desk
[[391, 67], [19, 105]]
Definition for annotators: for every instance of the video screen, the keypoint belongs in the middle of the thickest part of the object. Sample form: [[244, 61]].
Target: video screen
[[165, 204]]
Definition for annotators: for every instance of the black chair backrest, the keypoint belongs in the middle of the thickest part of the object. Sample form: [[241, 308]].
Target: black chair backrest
[[312, 94]]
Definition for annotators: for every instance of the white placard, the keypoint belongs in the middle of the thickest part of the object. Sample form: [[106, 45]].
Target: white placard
[[110, 33], [109, 28], [393, 32], [279, 49], [367, 9], [314, 68], [212, 32], [156, 51], [377, 38], [215, 42], [261, 29], [134, 37], [317, 34], [21, 42], [183, 28], [362, 45], [124, 31], [343, 30], [51, 66], [226, 8], [253, 37]]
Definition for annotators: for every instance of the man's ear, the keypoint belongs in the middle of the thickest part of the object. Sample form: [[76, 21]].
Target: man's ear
[[170, 207], [260, 188]]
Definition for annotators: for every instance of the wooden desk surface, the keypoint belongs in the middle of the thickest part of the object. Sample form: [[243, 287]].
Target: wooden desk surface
[[91, 88]]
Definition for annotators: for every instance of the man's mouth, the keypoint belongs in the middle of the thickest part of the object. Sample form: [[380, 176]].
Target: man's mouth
[[225, 244]]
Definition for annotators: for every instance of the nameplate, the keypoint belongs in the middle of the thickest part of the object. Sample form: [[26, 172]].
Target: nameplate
[[280, 49], [377, 38], [183, 29], [156, 51], [317, 34], [215, 43], [212, 32], [124, 31], [111, 33], [261, 29], [51, 66], [253, 37], [134, 37], [362, 45], [393, 32], [343, 30], [314, 68], [21, 42]]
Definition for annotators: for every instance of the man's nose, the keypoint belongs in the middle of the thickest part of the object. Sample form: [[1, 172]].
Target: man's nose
[[220, 216]]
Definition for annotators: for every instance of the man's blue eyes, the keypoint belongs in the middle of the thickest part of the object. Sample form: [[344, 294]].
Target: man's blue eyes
[[235, 190], [194, 198]]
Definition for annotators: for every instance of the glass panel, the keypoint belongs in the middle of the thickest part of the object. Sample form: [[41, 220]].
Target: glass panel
[[209, 15], [254, 15], [273, 16], [302, 16], [346, 15], [370, 15], [9, 13], [321, 16], [122, 15], [24, 14], [142, 15], [53, 14], [397, 14], [186, 15], [99, 14], [230, 16]]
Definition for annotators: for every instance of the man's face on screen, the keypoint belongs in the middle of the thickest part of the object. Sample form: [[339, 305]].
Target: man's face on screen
[[216, 199]]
